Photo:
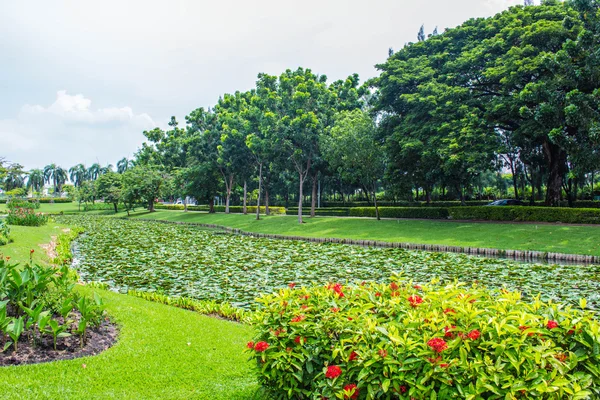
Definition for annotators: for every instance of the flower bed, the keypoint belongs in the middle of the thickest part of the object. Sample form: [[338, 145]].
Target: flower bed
[[26, 217], [405, 341]]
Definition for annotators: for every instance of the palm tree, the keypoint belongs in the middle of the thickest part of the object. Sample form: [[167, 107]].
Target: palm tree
[[94, 171], [123, 165], [78, 174], [107, 169], [14, 177], [35, 182], [56, 175]]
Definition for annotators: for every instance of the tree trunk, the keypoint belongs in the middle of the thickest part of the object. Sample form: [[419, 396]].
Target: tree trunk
[[300, 197], [259, 189], [313, 196], [245, 211], [375, 201], [151, 205], [228, 188], [267, 210], [428, 195], [462, 195], [185, 209], [514, 179], [556, 158], [211, 206], [116, 209]]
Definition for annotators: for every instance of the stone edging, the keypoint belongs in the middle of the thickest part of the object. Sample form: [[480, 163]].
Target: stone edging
[[519, 255]]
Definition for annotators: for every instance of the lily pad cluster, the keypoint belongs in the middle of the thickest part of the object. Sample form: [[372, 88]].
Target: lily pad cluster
[[186, 260]]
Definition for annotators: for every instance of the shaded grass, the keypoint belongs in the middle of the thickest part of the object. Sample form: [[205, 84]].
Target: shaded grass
[[151, 360], [558, 238]]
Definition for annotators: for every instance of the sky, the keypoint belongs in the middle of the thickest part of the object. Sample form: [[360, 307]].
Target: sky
[[81, 80]]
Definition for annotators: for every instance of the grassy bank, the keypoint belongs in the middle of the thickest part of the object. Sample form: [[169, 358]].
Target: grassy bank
[[26, 238], [541, 237], [67, 208]]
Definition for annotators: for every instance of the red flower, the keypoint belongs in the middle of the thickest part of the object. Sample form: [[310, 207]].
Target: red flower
[[395, 293], [349, 318], [299, 318], [434, 360], [415, 300], [449, 311], [394, 286], [31, 251], [444, 365], [403, 389], [562, 357], [291, 285], [333, 371], [570, 332], [552, 324], [250, 345], [298, 339], [448, 331], [334, 309], [337, 288], [352, 391], [474, 334], [418, 287], [304, 306], [377, 294], [383, 353], [438, 344], [353, 356], [261, 346]]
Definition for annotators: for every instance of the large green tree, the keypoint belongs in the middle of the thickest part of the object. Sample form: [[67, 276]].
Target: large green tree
[[55, 175]]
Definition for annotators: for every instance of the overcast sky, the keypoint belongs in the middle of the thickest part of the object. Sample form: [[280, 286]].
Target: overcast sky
[[81, 80]]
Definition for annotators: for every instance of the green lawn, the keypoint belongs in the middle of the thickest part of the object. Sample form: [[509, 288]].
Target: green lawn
[[152, 359], [28, 238], [543, 237], [66, 208], [163, 352]]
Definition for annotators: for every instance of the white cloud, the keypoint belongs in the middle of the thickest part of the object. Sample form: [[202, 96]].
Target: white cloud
[[69, 131]]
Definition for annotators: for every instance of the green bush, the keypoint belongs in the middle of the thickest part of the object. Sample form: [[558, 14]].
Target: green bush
[[56, 200], [15, 203], [531, 214], [221, 209], [401, 212], [379, 341], [4, 233], [26, 217], [329, 211]]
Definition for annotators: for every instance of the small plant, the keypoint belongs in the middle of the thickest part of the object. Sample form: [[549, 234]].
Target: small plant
[[4, 233], [57, 330]]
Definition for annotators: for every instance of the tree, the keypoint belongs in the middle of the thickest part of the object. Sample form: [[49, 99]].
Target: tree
[[123, 165], [85, 193], [109, 186], [421, 34], [35, 180], [528, 3], [78, 174], [14, 177], [55, 175], [94, 171], [353, 150]]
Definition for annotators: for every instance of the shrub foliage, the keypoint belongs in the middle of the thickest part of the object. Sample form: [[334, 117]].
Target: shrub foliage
[[404, 341]]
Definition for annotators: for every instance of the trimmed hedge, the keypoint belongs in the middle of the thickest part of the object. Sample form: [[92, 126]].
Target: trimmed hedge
[[45, 200], [529, 214], [221, 209], [323, 212], [438, 341], [401, 212]]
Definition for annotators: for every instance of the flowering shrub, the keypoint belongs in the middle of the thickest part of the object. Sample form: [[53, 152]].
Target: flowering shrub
[[26, 217], [432, 342], [15, 203]]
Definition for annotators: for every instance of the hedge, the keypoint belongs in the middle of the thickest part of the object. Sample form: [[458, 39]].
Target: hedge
[[530, 214], [328, 211], [437, 341], [221, 209], [45, 200], [401, 212]]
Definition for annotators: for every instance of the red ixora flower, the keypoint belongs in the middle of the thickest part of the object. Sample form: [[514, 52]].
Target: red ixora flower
[[334, 309], [353, 356], [250, 345], [438, 344], [31, 251], [552, 324], [415, 300], [352, 390], [383, 353], [378, 294], [444, 365], [333, 371], [299, 318], [448, 331], [418, 287], [394, 286], [337, 288], [403, 389], [261, 346], [449, 311], [291, 285], [474, 334], [299, 339]]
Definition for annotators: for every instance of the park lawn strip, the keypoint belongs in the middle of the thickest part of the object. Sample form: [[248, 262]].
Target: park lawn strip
[[47, 208], [151, 359], [558, 238], [26, 238]]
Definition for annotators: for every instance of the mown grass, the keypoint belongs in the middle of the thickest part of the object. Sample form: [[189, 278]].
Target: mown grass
[[67, 208], [162, 352], [558, 238]]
